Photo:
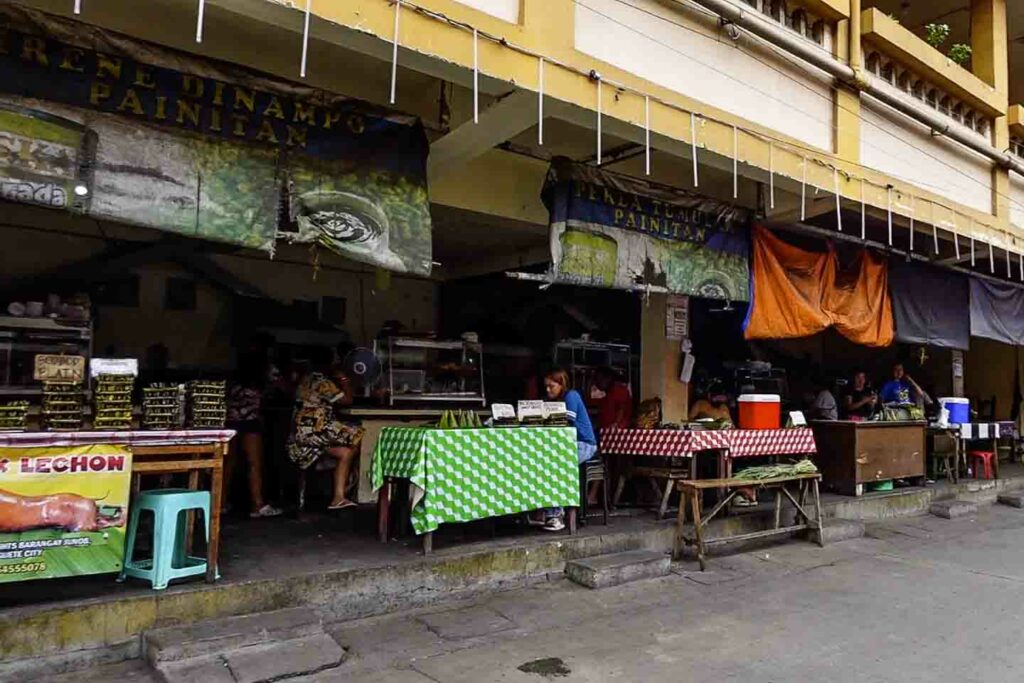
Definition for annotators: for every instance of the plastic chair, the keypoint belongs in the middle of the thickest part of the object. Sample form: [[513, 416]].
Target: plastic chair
[[590, 471], [170, 528], [981, 462]]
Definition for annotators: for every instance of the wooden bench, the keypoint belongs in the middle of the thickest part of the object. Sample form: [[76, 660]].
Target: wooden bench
[[693, 490]]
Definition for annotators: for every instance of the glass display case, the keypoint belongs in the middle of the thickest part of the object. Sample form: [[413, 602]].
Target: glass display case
[[21, 339], [426, 370]]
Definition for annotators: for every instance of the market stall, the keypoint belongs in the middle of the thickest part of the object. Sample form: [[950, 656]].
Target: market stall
[[852, 454], [462, 475], [41, 471]]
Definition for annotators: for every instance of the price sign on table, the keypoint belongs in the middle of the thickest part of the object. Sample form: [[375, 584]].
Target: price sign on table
[[55, 368]]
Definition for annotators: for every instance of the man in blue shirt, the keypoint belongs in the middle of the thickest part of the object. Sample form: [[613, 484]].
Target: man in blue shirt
[[902, 389]]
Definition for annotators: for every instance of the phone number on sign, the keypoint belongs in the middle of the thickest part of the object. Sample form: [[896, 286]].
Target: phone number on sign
[[23, 568]]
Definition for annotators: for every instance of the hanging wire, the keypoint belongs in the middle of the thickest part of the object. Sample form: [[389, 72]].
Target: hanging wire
[[394, 53], [991, 257], [913, 213], [863, 213], [199, 21], [935, 237], [888, 201], [735, 163], [693, 147], [305, 38], [540, 101], [476, 77], [599, 120], [803, 190], [647, 135], [771, 174], [1008, 273], [956, 238], [972, 242], [839, 207]]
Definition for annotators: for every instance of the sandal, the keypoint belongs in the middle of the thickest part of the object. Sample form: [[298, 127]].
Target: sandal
[[266, 511], [343, 505]]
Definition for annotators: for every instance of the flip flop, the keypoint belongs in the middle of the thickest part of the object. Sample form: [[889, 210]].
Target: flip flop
[[344, 505]]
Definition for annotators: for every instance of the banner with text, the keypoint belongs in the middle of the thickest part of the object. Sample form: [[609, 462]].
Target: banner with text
[[615, 231], [132, 132], [62, 511]]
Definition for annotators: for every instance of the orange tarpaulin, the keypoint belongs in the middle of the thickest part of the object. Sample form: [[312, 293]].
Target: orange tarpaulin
[[798, 293]]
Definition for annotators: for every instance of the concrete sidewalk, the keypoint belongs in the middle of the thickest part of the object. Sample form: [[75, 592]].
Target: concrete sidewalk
[[918, 599]]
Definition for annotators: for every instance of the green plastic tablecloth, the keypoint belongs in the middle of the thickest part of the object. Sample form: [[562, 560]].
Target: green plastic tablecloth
[[461, 475]]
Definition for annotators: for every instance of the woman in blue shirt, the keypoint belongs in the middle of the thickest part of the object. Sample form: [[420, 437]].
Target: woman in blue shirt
[[556, 385]]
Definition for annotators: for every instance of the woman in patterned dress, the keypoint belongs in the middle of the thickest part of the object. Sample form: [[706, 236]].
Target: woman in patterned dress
[[316, 429]]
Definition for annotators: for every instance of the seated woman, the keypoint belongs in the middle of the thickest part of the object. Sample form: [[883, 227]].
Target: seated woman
[[556, 386], [317, 431]]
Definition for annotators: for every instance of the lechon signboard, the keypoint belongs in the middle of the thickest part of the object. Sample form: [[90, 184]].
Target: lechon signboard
[[62, 510]]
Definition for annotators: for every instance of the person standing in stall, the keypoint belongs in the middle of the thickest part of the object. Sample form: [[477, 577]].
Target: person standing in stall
[[245, 416], [557, 387], [614, 404]]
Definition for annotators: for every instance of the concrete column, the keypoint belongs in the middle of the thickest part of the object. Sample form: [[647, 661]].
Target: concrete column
[[990, 63], [846, 100], [660, 362]]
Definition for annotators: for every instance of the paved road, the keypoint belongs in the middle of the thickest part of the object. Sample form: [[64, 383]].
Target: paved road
[[919, 599]]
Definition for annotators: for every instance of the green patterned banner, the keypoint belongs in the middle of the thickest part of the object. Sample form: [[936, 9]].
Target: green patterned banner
[[468, 474], [610, 230]]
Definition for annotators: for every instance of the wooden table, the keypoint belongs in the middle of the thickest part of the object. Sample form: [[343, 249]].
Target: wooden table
[[851, 454], [157, 452], [693, 490], [678, 449]]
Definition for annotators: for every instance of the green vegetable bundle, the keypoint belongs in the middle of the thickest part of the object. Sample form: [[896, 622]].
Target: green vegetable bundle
[[462, 419], [805, 466]]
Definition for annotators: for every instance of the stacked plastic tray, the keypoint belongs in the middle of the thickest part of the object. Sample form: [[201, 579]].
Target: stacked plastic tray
[[163, 406], [62, 406], [112, 402], [207, 406], [13, 416]]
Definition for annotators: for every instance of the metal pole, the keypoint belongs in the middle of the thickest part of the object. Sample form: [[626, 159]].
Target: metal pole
[[305, 39], [199, 21], [394, 53]]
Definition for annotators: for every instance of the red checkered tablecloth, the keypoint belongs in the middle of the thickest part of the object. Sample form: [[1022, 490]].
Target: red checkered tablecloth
[[176, 437], [676, 443], [749, 443]]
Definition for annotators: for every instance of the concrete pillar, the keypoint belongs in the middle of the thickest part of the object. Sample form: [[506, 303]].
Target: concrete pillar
[[990, 63], [660, 362], [846, 100]]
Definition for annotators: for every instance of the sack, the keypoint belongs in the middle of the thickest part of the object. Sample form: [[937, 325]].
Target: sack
[[648, 415]]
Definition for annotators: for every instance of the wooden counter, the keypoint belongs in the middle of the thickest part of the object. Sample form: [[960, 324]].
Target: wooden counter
[[851, 454]]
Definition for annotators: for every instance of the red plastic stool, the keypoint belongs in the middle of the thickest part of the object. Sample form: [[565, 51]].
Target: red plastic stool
[[981, 460]]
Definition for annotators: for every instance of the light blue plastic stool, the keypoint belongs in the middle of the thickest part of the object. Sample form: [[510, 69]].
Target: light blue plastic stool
[[169, 561]]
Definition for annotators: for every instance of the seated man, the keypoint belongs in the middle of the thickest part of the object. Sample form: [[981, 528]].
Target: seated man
[[902, 390]]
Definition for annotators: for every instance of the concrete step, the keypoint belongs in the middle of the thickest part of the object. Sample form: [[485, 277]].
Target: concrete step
[[840, 530], [259, 663], [602, 571], [178, 643], [1014, 499], [951, 509]]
